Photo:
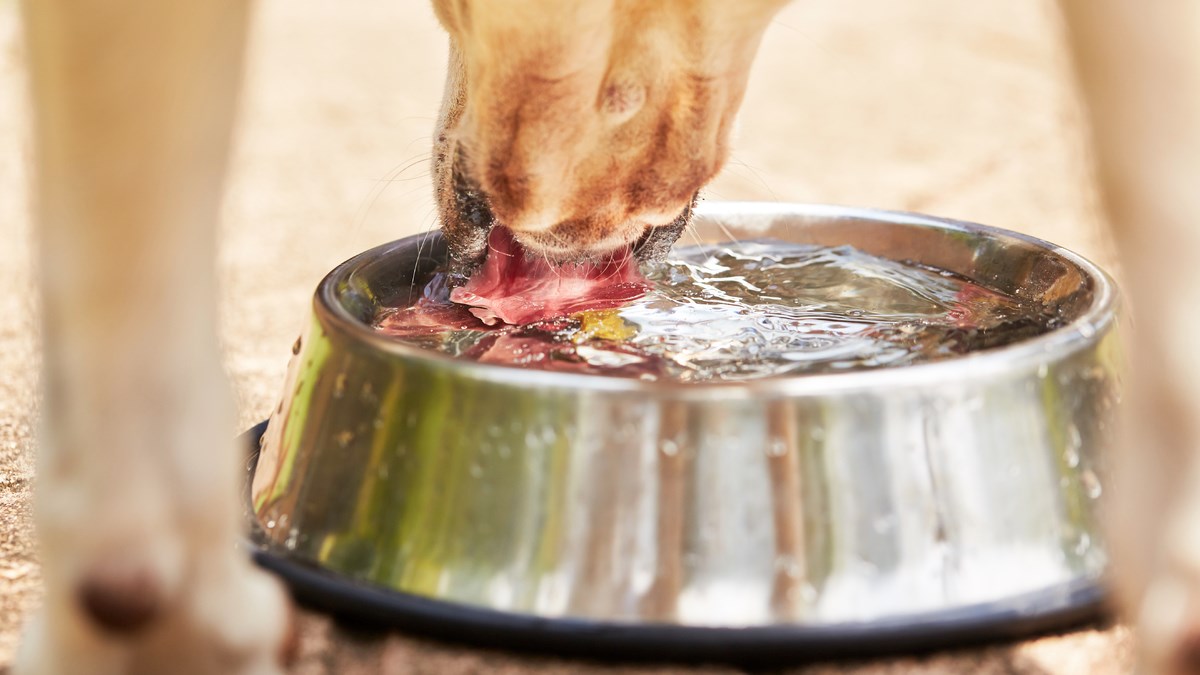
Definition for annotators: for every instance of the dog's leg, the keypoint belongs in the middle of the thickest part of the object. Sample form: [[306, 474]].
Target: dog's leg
[[1140, 71], [137, 502]]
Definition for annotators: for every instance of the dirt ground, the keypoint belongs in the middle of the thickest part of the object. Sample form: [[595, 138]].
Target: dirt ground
[[961, 109]]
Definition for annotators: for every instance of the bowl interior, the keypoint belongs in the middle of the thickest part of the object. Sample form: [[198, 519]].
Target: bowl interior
[[1066, 286]]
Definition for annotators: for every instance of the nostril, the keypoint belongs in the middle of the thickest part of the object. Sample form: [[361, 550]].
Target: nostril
[[121, 598], [621, 100]]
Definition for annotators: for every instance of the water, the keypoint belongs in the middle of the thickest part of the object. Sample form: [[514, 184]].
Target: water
[[744, 311]]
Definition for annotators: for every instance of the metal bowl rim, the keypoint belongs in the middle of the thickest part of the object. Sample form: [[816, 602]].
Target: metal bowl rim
[[1042, 350]]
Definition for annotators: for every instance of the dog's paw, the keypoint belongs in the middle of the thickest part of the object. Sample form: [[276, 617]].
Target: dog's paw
[[229, 619], [60, 646], [245, 615], [1169, 627], [1168, 611]]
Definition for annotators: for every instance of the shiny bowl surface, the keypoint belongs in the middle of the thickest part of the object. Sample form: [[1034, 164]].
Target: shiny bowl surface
[[805, 501]]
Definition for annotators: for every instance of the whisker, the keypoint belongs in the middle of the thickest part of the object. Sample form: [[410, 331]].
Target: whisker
[[558, 239], [379, 186], [757, 176], [616, 268], [553, 268], [414, 190], [728, 233], [703, 246], [408, 146], [421, 230], [397, 179], [495, 250]]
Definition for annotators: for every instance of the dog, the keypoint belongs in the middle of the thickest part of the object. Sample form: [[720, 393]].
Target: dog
[[581, 126], [1140, 76]]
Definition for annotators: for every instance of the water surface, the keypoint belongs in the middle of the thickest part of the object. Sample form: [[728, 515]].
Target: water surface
[[745, 310]]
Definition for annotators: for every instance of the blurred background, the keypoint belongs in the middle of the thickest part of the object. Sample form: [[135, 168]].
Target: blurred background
[[957, 109]]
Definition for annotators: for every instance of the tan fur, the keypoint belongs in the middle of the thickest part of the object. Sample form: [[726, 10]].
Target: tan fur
[[584, 123], [1140, 70], [137, 506], [579, 125]]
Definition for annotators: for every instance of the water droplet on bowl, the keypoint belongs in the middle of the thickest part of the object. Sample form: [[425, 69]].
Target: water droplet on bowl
[[1071, 455], [1091, 484], [789, 565], [1083, 545]]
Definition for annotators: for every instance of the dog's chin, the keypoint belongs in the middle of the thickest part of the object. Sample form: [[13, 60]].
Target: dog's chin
[[557, 250], [647, 243], [657, 241]]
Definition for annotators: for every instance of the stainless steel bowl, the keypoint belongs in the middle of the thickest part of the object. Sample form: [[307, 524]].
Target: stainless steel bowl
[[925, 495]]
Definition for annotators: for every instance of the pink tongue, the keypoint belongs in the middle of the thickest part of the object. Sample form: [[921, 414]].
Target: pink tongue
[[518, 289]]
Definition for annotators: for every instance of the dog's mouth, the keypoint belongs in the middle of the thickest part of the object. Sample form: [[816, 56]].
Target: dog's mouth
[[467, 230], [504, 281], [516, 287]]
